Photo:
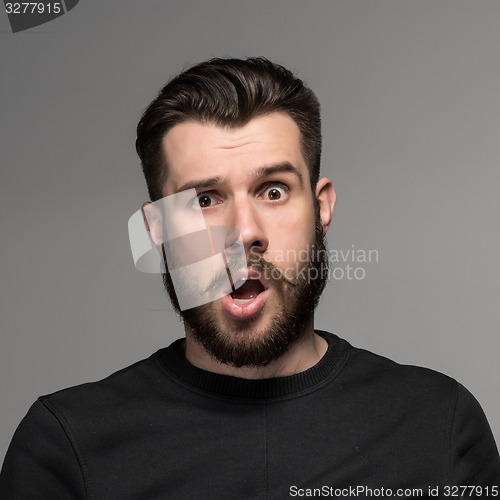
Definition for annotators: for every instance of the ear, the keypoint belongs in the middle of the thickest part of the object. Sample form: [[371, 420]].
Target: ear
[[153, 222], [326, 197]]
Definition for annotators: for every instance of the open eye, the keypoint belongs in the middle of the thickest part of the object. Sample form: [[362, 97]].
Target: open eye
[[204, 200], [274, 193]]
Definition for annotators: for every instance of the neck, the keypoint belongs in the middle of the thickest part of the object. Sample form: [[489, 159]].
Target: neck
[[301, 356]]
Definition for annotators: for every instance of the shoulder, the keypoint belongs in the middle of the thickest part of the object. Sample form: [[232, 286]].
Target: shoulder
[[397, 392], [373, 370], [425, 410], [379, 370], [130, 385], [65, 432]]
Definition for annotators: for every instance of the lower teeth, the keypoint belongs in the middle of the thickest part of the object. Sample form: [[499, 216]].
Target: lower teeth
[[242, 301]]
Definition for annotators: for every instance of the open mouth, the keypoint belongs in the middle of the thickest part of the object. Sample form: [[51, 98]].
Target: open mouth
[[247, 291], [248, 297]]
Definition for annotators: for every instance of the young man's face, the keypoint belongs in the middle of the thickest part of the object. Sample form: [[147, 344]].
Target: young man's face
[[254, 178]]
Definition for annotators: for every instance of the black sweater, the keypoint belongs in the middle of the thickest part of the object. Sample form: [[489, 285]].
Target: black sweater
[[163, 429]]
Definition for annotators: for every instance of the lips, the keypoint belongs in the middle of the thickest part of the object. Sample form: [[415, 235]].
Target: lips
[[249, 296]]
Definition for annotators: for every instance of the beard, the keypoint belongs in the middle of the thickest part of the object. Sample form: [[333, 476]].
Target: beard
[[241, 343]]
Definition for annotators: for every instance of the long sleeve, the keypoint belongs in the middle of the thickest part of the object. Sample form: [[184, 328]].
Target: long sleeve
[[474, 455], [41, 462]]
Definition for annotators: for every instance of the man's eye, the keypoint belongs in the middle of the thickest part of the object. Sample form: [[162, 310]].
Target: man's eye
[[274, 193], [206, 200]]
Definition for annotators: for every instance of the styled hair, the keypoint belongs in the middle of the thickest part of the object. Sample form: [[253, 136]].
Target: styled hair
[[228, 93]]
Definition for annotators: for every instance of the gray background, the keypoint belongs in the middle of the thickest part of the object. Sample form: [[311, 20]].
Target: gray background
[[410, 92]]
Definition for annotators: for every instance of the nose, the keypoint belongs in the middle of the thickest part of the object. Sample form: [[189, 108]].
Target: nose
[[246, 218]]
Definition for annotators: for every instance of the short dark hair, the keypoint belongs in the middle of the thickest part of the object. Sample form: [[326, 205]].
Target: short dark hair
[[229, 93]]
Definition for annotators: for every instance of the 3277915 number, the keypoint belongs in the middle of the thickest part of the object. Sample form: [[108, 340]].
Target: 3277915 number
[[471, 491], [33, 8]]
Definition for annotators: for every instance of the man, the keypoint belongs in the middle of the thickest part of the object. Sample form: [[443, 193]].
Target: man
[[253, 403]]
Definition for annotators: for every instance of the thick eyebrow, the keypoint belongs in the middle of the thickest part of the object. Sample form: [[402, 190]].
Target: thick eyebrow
[[282, 167], [259, 172], [200, 184]]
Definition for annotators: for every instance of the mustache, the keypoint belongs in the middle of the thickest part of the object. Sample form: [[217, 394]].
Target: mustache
[[258, 264]]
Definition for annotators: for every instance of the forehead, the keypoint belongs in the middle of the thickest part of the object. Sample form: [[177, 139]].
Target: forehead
[[196, 150]]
